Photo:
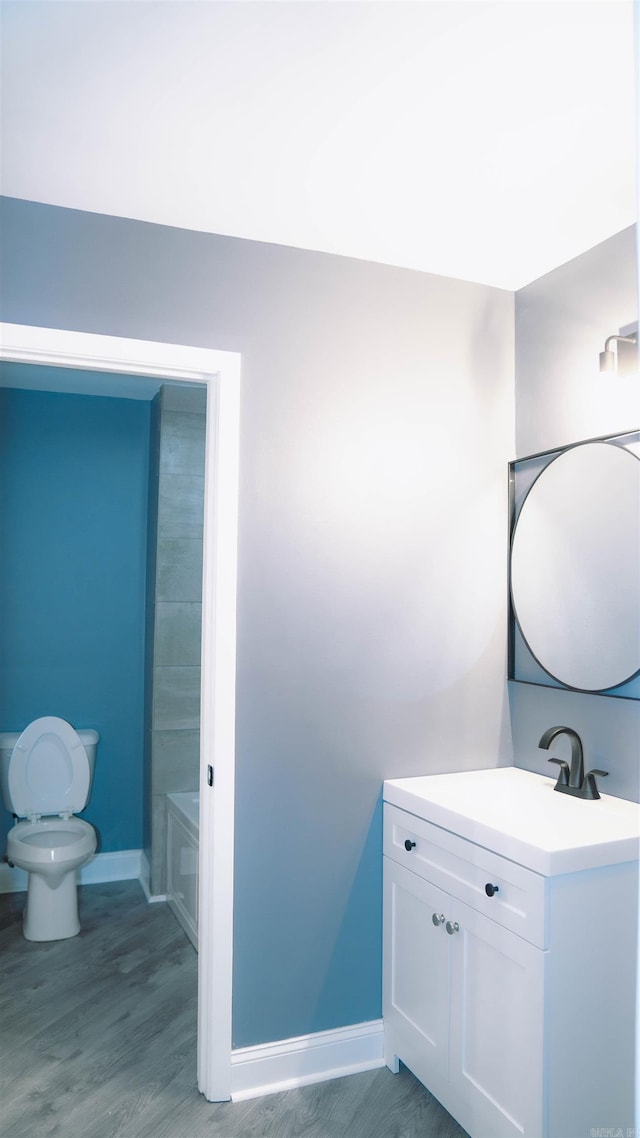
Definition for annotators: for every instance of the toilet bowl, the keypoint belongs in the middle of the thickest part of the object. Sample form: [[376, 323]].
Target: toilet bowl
[[46, 775], [50, 850]]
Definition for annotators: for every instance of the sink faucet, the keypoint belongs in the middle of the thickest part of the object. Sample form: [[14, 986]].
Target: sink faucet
[[572, 780]]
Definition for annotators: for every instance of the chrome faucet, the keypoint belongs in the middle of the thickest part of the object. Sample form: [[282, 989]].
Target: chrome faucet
[[572, 780]]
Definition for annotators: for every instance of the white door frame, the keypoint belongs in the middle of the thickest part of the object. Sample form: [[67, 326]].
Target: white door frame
[[220, 371]]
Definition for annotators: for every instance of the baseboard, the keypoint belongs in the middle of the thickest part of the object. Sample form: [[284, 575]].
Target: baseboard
[[145, 875], [145, 880], [289, 1063], [121, 865]]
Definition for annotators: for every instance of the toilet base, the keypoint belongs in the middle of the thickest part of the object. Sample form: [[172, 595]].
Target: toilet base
[[51, 912]]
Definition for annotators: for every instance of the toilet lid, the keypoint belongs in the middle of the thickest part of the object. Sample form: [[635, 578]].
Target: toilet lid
[[48, 770]]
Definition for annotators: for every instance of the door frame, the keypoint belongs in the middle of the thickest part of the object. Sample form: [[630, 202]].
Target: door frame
[[220, 372]]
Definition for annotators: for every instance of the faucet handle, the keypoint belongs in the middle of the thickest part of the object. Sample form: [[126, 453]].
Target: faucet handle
[[589, 787], [563, 775]]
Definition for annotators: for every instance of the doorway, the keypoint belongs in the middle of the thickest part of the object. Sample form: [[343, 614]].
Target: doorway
[[220, 372]]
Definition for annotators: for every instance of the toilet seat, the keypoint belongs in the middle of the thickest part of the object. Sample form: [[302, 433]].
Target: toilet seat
[[51, 843], [49, 770]]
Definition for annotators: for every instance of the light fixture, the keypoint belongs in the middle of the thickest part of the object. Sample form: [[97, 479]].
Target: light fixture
[[624, 360]]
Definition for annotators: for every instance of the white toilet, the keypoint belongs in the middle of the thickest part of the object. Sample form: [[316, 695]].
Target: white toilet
[[46, 775]]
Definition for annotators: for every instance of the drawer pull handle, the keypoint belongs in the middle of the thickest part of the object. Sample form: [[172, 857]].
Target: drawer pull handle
[[491, 889], [452, 927], [438, 919], [409, 845]]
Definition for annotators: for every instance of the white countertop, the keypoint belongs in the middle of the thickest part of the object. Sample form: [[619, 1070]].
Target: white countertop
[[518, 814]]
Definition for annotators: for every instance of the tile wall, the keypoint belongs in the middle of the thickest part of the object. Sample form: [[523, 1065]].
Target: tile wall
[[174, 609]]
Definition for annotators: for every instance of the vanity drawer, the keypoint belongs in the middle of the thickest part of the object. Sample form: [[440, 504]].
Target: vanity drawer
[[463, 869]]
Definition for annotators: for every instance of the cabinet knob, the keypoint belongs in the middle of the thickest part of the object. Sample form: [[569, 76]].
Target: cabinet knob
[[408, 845], [491, 889], [438, 919], [452, 927]]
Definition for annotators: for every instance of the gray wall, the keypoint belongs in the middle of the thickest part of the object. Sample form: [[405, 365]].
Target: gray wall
[[174, 610], [562, 321], [376, 423]]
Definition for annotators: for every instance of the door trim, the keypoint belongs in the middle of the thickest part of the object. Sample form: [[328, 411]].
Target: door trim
[[220, 371]]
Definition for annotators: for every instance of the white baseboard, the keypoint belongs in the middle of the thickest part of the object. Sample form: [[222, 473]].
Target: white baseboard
[[121, 865], [145, 875], [145, 880], [289, 1063]]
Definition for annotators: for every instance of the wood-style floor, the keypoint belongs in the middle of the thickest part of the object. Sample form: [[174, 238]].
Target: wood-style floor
[[99, 1041]]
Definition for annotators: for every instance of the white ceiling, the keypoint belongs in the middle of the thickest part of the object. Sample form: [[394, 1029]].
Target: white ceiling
[[485, 141]]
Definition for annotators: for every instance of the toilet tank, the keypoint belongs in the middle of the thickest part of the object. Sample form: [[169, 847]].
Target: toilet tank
[[8, 739]]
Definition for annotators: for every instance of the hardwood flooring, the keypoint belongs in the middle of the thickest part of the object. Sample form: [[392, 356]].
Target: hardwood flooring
[[99, 1041]]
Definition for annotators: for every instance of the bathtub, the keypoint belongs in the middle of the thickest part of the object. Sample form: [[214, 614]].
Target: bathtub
[[182, 860]]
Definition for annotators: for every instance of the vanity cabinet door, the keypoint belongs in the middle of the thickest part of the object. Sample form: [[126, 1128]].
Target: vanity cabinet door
[[496, 1046], [463, 1006], [416, 974]]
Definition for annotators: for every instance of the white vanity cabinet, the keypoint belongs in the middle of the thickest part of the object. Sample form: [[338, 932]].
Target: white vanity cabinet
[[514, 1005]]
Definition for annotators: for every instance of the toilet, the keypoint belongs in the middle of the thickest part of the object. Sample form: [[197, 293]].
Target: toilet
[[46, 774]]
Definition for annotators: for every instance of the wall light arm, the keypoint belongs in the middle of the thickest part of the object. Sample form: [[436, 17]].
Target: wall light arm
[[609, 358]]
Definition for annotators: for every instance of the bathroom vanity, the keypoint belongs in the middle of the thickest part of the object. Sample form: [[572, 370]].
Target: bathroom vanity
[[510, 949]]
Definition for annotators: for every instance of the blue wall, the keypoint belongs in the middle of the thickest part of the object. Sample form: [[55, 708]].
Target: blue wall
[[73, 509]]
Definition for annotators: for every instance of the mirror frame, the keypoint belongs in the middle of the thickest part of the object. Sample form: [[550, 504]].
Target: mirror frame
[[522, 665]]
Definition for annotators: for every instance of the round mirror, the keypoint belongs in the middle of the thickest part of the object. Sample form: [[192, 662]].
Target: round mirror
[[575, 567]]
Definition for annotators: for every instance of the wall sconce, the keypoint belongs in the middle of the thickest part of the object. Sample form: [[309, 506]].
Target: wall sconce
[[624, 360]]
